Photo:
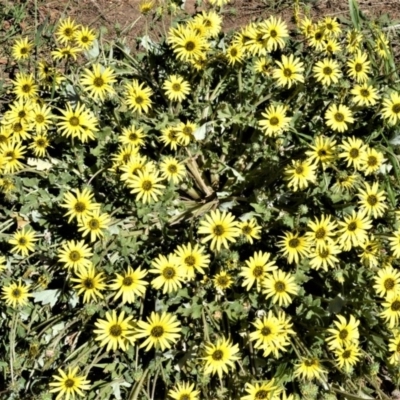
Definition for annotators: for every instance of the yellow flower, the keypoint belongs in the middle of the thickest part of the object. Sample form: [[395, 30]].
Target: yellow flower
[[23, 241], [299, 174], [66, 30], [98, 82], [115, 331], [68, 384], [176, 88], [161, 331], [145, 184], [16, 294], [275, 121], [337, 117], [220, 356], [372, 201], [137, 96], [327, 71], [279, 286], [94, 224], [89, 283], [220, 228], [309, 369], [294, 246], [359, 67], [22, 49], [353, 231], [391, 108], [344, 334], [289, 71]]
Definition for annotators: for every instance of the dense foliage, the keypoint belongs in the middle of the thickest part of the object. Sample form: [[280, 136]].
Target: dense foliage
[[211, 217]]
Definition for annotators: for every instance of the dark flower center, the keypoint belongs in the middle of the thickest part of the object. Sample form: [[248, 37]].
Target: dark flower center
[[94, 224], [16, 293], [309, 362], [17, 127], [190, 261], [396, 108], [88, 283], [395, 306], [22, 241], [258, 271], [176, 87], [320, 233], [74, 121], [39, 118], [218, 230], [261, 395], [343, 334], [346, 354], [190, 46], [172, 169], [147, 185], [247, 229], [115, 330], [327, 71], [372, 161], [364, 92], [157, 331], [352, 226], [217, 355], [273, 33], [274, 121], [324, 253], [287, 72], [339, 117], [98, 81], [265, 331], [389, 284], [372, 200], [80, 207], [139, 100], [69, 383], [358, 67], [23, 50], [74, 256], [22, 114], [354, 153], [168, 273], [233, 52], [293, 243], [222, 281], [26, 88], [68, 32], [280, 286]]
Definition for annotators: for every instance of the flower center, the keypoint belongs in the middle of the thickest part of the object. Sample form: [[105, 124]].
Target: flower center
[[346, 354], [184, 397], [68, 32], [265, 331], [299, 170], [358, 67], [354, 153], [139, 100], [396, 108], [16, 293], [88, 283], [273, 33], [258, 271], [324, 253], [222, 281], [190, 261], [74, 121], [22, 114], [147, 185], [372, 161], [280, 286], [168, 273], [261, 395], [320, 233], [39, 118], [190, 46], [343, 334], [339, 117], [94, 224], [115, 330], [98, 82], [389, 284], [218, 230], [247, 229], [23, 50], [309, 363], [26, 88], [293, 243], [84, 39], [187, 131], [395, 306], [233, 52], [327, 71], [69, 383], [172, 169], [133, 137], [274, 121], [372, 200], [74, 256], [287, 72], [364, 92], [157, 331], [80, 207], [217, 355], [17, 127], [352, 226], [176, 87], [22, 241]]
